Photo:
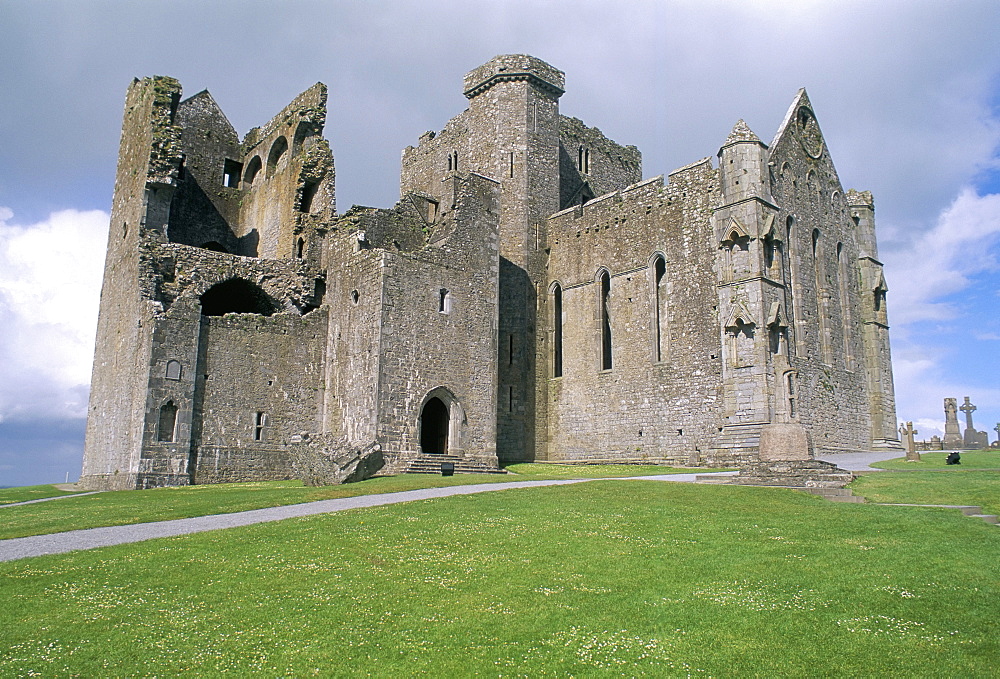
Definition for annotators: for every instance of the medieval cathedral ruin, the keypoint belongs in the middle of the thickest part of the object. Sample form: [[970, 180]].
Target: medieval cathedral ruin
[[530, 297]]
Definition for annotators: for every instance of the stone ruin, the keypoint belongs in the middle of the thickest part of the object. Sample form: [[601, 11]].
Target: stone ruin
[[530, 297]]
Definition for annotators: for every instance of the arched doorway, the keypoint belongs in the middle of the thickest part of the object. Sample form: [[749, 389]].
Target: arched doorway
[[434, 422]]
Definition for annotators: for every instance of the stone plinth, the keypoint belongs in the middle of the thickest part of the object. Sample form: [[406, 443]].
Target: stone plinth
[[785, 441], [793, 473]]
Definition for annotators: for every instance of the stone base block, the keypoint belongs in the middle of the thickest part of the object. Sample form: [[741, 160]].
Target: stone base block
[[794, 474], [785, 441]]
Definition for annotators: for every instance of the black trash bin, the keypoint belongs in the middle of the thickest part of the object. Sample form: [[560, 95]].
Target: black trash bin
[[447, 469]]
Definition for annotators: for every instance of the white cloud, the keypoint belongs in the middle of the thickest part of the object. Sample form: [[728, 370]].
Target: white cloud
[[50, 285], [940, 262]]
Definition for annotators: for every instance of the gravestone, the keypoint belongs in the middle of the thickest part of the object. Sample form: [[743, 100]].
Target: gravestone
[[907, 432]]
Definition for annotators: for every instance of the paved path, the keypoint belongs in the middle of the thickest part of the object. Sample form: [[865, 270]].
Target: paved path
[[59, 543], [46, 499], [858, 462]]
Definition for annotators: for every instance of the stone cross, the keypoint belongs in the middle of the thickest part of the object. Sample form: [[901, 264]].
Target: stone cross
[[968, 409], [997, 430], [911, 448]]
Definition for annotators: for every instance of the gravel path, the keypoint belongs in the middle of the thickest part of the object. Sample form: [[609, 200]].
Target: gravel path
[[60, 543]]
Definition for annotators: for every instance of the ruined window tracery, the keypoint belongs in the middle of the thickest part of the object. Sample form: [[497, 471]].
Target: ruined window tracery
[[822, 301]]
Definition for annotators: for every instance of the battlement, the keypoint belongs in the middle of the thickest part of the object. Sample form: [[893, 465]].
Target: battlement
[[513, 68]]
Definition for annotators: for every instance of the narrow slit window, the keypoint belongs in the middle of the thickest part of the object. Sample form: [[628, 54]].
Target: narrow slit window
[[444, 301], [557, 332], [660, 301], [510, 349]]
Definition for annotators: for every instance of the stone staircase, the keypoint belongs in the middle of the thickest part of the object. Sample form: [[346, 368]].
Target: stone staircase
[[737, 441], [425, 463]]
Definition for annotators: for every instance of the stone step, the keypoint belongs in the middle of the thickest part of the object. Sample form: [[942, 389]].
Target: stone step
[[431, 464]]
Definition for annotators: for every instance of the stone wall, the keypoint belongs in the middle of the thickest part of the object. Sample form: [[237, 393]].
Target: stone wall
[[659, 399]]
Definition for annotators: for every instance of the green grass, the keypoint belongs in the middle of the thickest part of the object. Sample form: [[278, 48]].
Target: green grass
[[972, 459], [25, 493], [605, 578], [117, 508], [944, 487]]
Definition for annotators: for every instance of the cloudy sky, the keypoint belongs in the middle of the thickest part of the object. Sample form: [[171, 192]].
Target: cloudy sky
[[907, 94]]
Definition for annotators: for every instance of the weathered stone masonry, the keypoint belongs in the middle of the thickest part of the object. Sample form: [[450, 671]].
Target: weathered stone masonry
[[529, 297]]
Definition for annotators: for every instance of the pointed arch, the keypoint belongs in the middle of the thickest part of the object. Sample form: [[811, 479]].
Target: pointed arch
[[277, 153], [556, 293], [440, 422], [252, 171], [660, 302], [604, 317]]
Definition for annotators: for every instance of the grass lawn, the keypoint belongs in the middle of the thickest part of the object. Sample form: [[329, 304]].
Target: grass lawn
[[606, 578], [948, 486], [971, 459], [118, 508], [25, 493]]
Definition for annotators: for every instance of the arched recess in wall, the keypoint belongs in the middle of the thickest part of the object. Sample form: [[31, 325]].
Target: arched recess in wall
[[251, 173], [843, 276], [440, 423], [658, 279], [278, 150], [822, 305], [556, 293], [740, 330], [303, 131], [236, 296], [604, 317], [793, 278]]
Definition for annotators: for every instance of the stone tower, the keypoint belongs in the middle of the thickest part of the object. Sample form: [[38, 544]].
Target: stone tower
[[875, 319]]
